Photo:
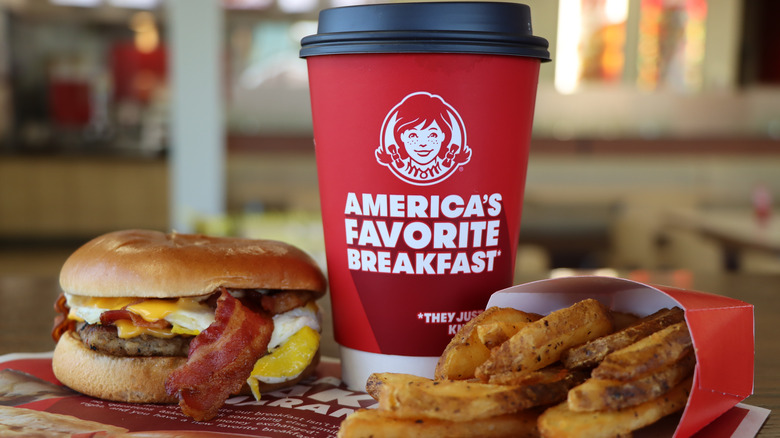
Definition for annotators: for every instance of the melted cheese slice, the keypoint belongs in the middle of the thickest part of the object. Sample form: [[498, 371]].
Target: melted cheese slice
[[126, 329], [187, 315]]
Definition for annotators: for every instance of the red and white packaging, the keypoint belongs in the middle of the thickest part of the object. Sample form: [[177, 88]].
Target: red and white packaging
[[722, 330]]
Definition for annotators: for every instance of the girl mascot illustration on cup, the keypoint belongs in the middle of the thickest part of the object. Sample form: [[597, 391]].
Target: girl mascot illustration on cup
[[423, 140]]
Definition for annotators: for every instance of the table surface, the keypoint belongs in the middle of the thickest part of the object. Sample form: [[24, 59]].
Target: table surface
[[26, 314], [734, 228]]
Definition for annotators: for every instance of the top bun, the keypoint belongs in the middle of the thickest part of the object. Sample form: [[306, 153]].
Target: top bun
[[151, 264]]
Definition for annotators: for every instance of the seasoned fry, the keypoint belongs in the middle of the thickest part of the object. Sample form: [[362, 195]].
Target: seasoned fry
[[552, 373], [543, 387], [600, 395], [542, 342], [378, 381], [593, 352], [374, 423], [468, 349], [494, 333], [460, 400], [651, 353], [449, 400], [559, 421], [622, 320]]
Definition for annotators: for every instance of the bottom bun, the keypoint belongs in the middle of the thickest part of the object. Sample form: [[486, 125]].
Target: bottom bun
[[128, 379]]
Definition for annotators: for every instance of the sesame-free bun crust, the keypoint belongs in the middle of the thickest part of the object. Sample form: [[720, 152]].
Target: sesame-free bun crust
[[151, 264], [129, 379]]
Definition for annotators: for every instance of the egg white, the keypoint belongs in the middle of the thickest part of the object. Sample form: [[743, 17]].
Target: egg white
[[288, 323]]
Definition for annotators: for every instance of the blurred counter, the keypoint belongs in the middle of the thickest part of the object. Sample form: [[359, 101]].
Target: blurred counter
[[77, 196]]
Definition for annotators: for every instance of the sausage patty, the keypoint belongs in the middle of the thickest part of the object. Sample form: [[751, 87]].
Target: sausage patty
[[104, 339]]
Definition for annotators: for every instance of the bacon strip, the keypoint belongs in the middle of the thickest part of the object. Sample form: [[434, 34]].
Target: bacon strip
[[61, 321], [220, 359], [112, 316]]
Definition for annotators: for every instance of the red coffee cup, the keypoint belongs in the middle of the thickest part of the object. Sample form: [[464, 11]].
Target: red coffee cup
[[422, 117]]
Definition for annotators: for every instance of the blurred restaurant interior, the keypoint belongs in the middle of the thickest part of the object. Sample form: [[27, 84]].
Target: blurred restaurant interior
[[656, 139]]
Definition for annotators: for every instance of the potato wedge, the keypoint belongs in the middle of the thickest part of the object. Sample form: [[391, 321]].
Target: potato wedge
[[460, 400], [492, 334], [560, 422], [542, 342], [592, 353], [623, 319], [651, 353], [600, 395], [367, 423], [551, 374], [543, 387], [378, 381], [467, 350]]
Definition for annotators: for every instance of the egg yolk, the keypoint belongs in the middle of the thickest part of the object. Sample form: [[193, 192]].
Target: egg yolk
[[287, 361]]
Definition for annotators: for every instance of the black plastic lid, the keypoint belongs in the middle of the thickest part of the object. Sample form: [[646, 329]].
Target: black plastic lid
[[436, 27]]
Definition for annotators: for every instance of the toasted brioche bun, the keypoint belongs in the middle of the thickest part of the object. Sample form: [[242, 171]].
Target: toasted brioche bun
[[129, 379], [151, 264]]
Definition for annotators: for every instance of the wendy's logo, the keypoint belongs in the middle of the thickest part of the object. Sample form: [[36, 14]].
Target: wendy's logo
[[423, 140]]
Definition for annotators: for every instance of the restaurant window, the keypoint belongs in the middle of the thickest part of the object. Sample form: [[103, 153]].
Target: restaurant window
[[663, 39], [268, 80], [266, 52], [670, 51], [591, 42]]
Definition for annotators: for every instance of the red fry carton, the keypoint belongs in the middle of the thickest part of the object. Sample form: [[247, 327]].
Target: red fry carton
[[722, 330]]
